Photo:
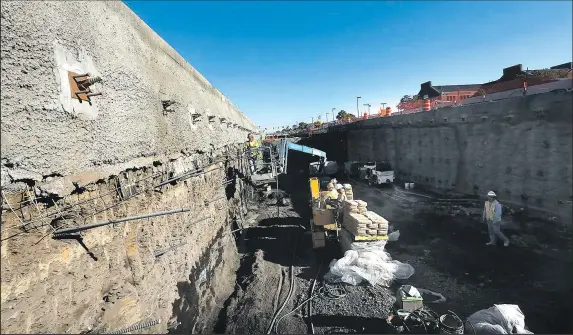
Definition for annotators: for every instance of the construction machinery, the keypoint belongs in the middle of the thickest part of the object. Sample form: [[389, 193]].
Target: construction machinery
[[275, 161], [327, 223], [324, 223], [377, 173]]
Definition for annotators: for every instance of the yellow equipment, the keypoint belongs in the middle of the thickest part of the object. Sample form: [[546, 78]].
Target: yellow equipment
[[323, 219], [314, 188]]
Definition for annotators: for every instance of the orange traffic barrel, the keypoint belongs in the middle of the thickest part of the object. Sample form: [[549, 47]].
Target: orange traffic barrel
[[427, 105]]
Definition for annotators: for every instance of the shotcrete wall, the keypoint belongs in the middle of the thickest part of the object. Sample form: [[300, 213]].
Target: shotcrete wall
[[521, 148], [68, 164], [46, 133]]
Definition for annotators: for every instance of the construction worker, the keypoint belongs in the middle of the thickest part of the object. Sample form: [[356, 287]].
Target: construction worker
[[331, 196], [254, 154], [341, 193], [338, 204], [334, 182], [332, 193], [492, 216]]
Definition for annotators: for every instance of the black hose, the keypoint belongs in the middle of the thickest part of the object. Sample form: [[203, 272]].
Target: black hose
[[289, 292], [310, 301]]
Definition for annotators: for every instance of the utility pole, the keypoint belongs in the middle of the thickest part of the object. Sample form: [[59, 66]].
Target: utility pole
[[357, 109], [326, 117], [333, 117], [368, 106]]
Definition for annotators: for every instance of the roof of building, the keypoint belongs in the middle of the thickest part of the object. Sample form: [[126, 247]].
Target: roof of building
[[453, 88]]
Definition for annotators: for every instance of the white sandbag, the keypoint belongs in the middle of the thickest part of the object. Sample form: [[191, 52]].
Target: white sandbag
[[373, 265], [499, 319], [394, 236]]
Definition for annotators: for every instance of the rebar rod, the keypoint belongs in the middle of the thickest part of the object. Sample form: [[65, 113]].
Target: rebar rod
[[163, 251], [66, 207], [185, 174], [130, 218], [139, 326]]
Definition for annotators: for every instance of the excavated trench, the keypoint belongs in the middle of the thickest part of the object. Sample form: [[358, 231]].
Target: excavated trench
[[443, 241]]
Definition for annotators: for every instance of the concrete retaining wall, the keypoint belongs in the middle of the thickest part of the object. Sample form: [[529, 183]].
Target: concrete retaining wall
[[521, 148], [47, 134]]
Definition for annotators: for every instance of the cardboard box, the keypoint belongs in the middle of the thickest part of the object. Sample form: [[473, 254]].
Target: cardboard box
[[323, 217]]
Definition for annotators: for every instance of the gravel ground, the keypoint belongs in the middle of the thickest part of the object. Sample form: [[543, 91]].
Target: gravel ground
[[445, 243]]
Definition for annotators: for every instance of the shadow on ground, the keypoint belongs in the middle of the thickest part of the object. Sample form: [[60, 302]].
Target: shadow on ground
[[276, 237]]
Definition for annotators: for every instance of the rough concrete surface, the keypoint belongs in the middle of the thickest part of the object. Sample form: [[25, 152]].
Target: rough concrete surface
[[46, 134], [520, 147]]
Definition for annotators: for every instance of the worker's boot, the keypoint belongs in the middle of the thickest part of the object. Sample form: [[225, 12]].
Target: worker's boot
[[490, 243]]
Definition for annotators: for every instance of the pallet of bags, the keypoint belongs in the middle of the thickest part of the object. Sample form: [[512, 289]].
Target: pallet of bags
[[356, 223], [362, 206], [380, 222], [350, 206]]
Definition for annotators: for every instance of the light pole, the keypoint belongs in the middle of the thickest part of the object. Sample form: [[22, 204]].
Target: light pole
[[333, 118], [326, 117], [367, 105], [357, 109]]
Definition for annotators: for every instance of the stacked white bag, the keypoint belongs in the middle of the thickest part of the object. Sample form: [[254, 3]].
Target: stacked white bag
[[379, 223]]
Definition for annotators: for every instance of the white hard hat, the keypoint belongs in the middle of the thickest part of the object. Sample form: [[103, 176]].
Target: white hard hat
[[491, 194], [339, 187]]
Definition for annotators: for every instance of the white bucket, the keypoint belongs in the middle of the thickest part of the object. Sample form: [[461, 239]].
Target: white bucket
[[407, 186], [411, 186]]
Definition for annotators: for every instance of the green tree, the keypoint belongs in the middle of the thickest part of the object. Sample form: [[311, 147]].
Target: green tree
[[302, 125], [341, 115]]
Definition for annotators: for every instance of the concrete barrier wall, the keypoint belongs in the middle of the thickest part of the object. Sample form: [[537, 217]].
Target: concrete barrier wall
[[47, 134], [521, 148]]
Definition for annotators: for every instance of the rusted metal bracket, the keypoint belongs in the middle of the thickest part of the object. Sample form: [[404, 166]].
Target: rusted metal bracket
[[80, 88], [166, 104]]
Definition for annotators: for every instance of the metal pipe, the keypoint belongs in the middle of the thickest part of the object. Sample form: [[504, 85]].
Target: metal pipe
[[94, 94], [81, 75], [130, 218], [179, 177], [83, 92]]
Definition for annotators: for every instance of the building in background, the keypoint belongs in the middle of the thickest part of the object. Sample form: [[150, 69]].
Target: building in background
[[513, 77], [438, 96]]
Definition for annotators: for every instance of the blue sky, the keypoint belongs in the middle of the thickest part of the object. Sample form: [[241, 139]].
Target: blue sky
[[285, 62]]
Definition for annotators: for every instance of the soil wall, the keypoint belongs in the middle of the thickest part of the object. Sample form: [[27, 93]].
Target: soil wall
[[68, 164]]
